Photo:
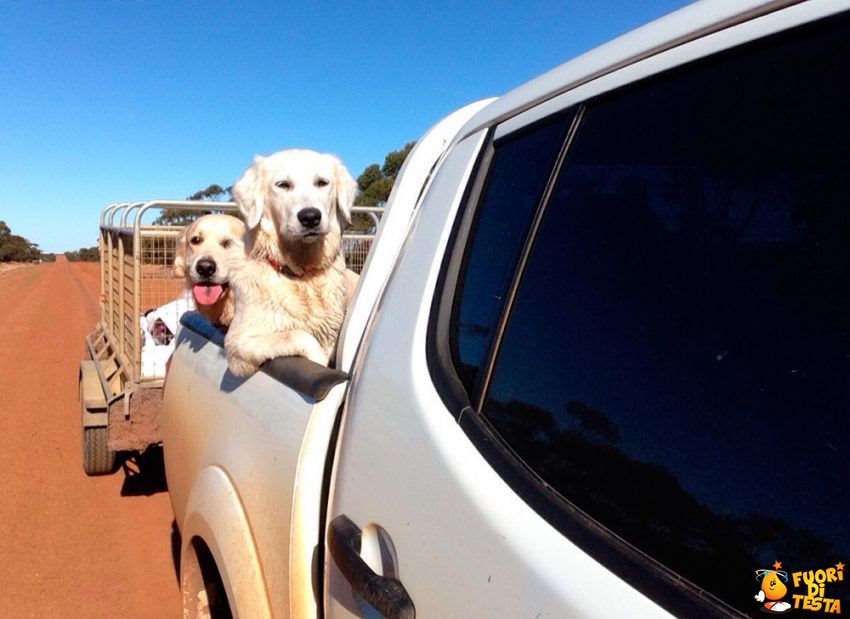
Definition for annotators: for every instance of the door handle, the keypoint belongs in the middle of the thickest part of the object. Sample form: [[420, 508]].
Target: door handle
[[386, 595]]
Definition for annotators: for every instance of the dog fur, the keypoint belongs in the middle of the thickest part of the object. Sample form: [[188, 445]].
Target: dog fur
[[214, 243], [290, 294]]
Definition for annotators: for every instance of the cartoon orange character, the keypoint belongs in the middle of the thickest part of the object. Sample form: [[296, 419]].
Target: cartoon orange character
[[772, 590]]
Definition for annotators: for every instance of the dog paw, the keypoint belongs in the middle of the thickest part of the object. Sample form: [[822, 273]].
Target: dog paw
[[318, 356], [240, 367], [311, 349]]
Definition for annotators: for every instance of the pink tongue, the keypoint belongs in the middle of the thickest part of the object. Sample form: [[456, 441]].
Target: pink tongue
[[207, 295]]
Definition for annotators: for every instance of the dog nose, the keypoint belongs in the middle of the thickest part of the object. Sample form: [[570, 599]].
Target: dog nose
[[205, 267], [310, 217]]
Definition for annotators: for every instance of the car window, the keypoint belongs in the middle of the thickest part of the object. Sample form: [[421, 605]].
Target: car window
[[520, 167], [677, 360]]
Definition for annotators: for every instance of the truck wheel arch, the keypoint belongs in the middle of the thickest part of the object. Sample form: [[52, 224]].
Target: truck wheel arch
[[215, 521]]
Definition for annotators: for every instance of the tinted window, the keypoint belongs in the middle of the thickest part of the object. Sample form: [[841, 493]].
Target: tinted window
[[517, 176], [677, 361]]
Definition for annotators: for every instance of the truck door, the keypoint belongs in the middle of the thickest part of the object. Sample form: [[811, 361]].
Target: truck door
[[608, 377], [418, 521]]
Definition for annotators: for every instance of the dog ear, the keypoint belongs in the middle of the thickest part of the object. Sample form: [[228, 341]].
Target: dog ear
[[249, 193], [180, 253], [346, 190]]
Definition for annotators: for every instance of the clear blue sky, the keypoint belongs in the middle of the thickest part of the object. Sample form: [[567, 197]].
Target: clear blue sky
[[109, 101]]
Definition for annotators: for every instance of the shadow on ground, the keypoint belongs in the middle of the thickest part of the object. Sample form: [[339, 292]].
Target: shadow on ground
[[144, 474], [176, 546]]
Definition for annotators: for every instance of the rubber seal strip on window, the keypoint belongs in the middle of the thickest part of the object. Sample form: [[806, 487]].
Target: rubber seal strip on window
[[486, 375], [438, 347]]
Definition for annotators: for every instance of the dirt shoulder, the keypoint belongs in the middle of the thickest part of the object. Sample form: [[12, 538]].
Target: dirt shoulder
[[72, 546], [6, 267]]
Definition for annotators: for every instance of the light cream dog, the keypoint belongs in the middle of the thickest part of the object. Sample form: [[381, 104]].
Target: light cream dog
[[290, 294], [206, 249]]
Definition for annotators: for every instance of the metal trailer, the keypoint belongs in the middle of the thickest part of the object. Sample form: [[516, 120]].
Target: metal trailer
[[119, 395]]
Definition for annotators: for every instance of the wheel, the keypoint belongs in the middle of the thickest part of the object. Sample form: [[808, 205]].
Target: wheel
[[201, 585], [98, 459]]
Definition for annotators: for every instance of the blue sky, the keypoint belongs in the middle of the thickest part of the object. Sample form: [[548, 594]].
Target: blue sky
[[109, 101]]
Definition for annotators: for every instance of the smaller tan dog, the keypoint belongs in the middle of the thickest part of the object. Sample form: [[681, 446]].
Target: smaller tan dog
[[290, 294], [206, 249]]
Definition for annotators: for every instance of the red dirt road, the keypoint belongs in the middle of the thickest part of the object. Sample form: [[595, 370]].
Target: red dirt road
[[71, 546]]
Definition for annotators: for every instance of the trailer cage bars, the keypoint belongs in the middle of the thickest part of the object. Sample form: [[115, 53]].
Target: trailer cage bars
[[119, 393]]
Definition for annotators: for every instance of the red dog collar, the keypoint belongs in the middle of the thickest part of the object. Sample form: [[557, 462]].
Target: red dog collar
[[281, 268]]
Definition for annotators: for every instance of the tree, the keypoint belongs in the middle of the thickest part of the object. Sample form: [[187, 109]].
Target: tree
[[376, 192], [371, 174], [375, 184], [176, 217], [394, 160], [16, 248], [212, 192]]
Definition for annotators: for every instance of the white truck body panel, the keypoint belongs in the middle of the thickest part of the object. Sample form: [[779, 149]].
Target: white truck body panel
[[434, 513], [251, 435], [414, 175]]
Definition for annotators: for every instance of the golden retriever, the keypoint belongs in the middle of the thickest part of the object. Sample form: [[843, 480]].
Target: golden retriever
[[206, 249], [290, 294]]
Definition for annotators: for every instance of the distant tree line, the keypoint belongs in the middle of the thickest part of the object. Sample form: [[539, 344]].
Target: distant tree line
[[84, 254], [15, 248]]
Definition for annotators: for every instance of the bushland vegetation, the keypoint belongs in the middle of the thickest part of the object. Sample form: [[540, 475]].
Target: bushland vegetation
[[15, 248]]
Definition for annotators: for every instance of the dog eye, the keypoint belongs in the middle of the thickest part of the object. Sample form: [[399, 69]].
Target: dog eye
[[322, 182], [284, 184], [226, 243], [195, 240]]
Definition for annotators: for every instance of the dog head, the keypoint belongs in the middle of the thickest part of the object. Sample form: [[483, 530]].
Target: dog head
[[205, 250], [305, 194]]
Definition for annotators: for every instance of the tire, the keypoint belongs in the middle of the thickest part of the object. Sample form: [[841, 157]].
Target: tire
[[98, 459]]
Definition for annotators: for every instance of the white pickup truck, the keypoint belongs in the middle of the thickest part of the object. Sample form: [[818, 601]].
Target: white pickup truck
[[599, 312]]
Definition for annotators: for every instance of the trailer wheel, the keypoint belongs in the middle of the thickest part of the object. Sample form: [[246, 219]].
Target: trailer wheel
[[98, 459]]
